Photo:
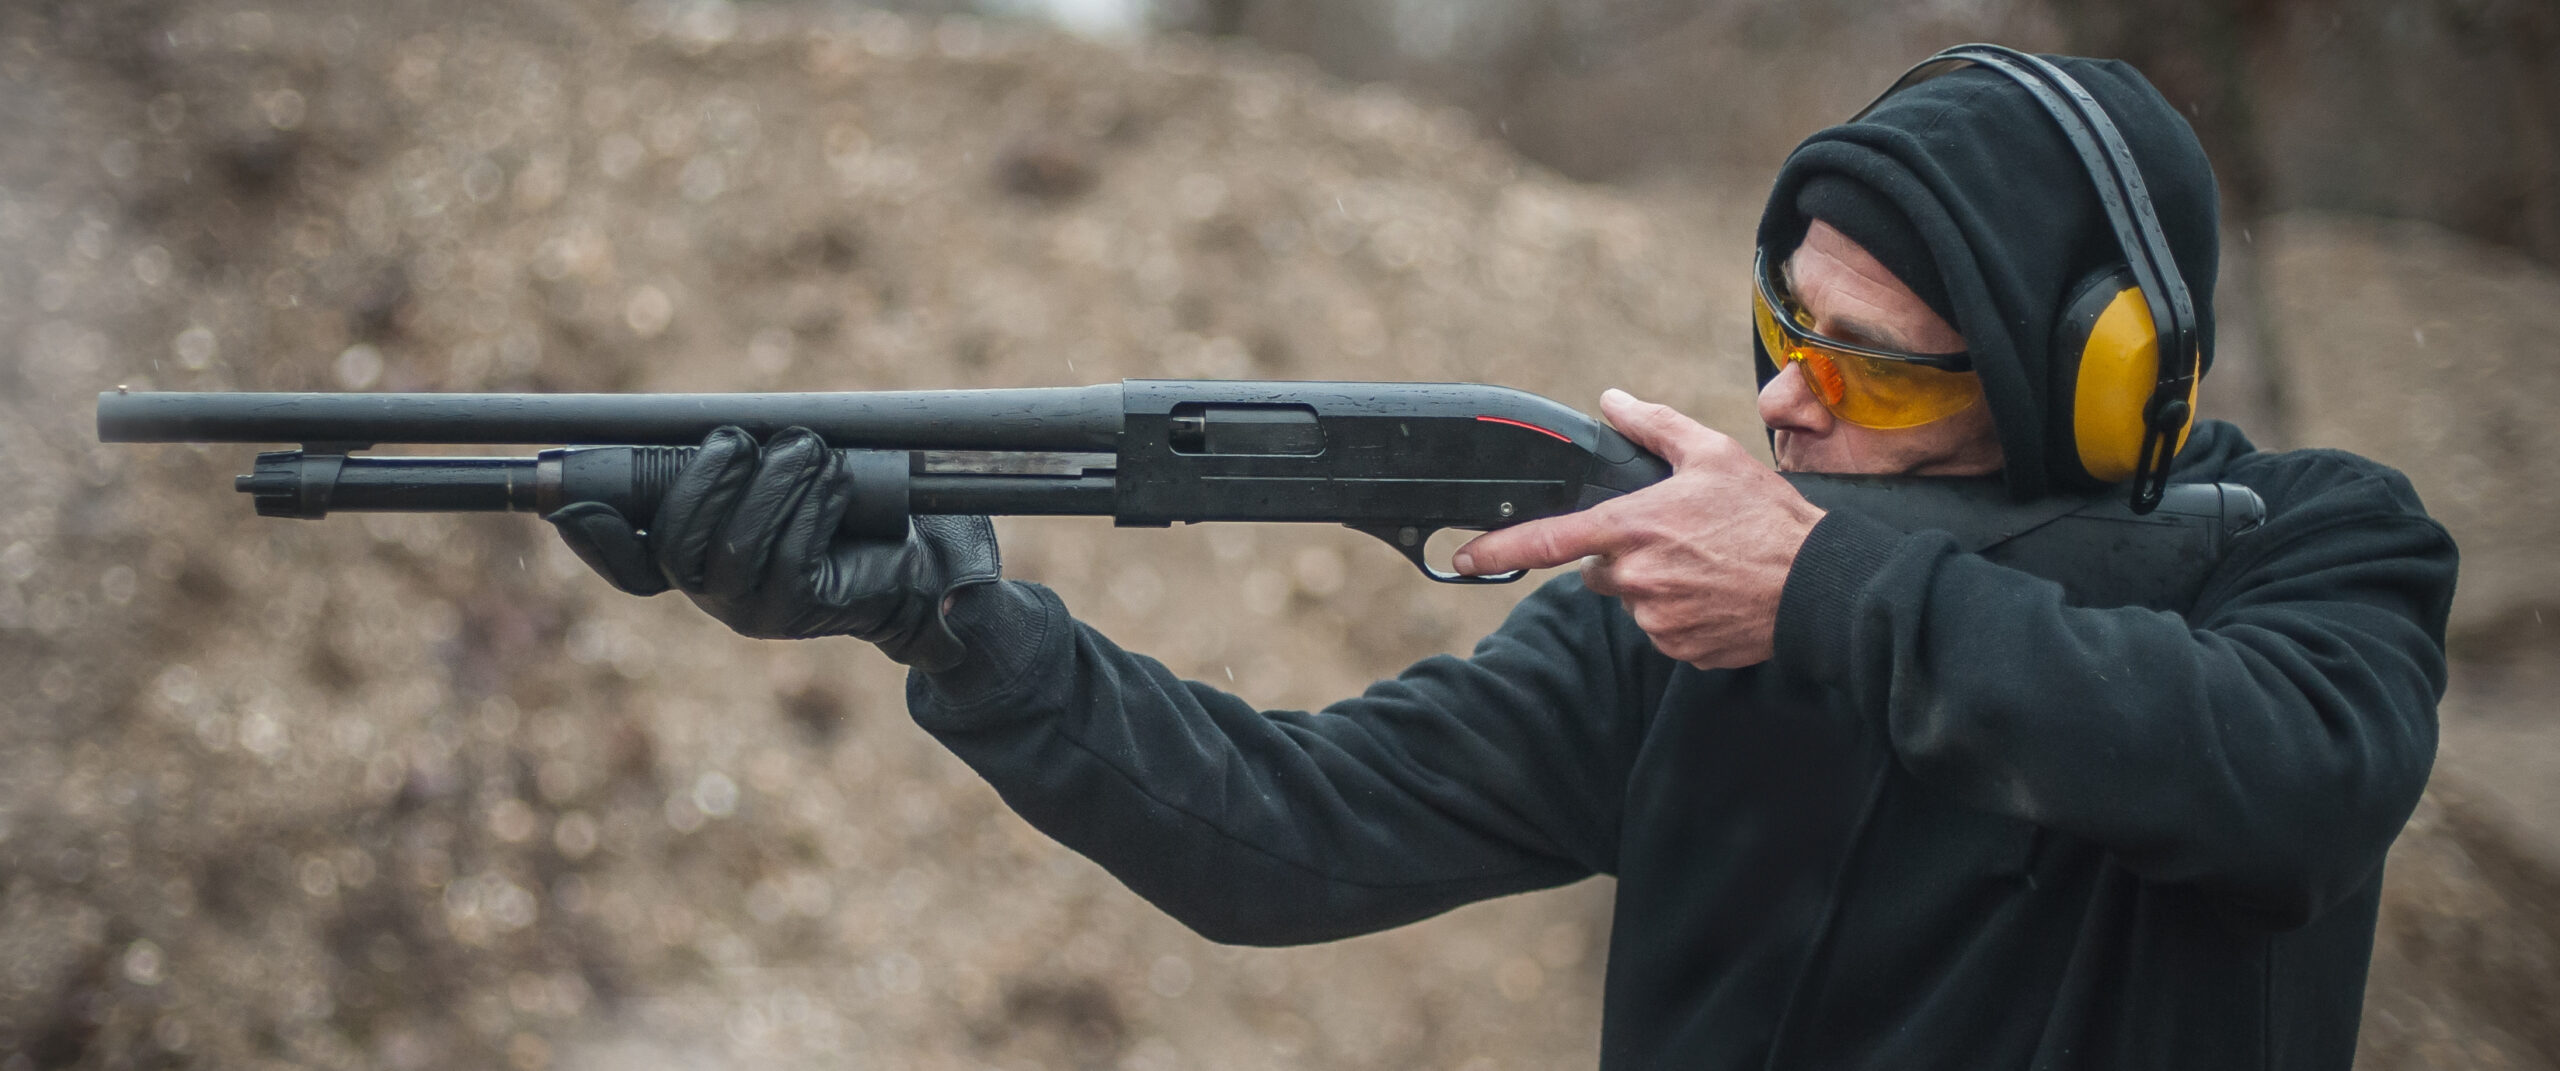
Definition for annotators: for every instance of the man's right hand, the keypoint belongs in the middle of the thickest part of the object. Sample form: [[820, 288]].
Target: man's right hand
[[750, 536]]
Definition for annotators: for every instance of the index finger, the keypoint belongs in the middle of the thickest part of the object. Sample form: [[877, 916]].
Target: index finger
[[1539, 544]]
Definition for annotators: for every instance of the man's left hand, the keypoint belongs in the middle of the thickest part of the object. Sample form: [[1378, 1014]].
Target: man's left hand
[[1699, 559]]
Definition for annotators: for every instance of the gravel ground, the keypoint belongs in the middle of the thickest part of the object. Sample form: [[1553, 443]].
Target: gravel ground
[[418, 792]]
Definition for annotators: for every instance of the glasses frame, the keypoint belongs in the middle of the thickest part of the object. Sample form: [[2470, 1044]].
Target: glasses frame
[[1765, 281]]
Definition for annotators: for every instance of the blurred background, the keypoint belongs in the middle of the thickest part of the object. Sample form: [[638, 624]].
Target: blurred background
[[419, 792]]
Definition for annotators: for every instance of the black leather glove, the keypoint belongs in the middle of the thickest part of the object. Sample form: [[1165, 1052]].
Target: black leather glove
[[750, 536]]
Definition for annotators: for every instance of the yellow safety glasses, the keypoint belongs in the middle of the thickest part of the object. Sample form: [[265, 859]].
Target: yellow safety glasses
[[1869, 387]]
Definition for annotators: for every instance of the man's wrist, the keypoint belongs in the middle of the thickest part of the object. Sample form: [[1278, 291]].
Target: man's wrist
[[1816, 609]]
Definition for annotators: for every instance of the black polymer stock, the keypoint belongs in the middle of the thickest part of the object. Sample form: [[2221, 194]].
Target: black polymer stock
[[1399, 461]]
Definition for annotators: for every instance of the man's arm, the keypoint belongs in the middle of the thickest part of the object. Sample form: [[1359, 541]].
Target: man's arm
[[2267, 747], [1457, 781], [1460, 780]]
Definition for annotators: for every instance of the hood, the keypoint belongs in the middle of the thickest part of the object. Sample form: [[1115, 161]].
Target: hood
[[2013, 222]]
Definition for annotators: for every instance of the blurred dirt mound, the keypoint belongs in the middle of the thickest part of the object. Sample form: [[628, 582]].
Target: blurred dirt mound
[[414, 792], [2433, 353]]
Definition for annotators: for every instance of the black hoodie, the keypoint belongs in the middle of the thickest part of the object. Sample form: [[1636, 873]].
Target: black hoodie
[[1997, 194], [1956, 822]]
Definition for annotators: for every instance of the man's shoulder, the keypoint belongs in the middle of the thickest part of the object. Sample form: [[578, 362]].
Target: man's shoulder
[[2290, 480]]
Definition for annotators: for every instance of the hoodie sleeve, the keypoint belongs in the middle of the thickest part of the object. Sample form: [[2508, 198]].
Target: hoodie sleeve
[[1459, 780], [2266, 747]]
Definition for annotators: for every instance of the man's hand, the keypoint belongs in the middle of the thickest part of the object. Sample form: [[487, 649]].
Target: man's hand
[[750, 536], [1699, 559]]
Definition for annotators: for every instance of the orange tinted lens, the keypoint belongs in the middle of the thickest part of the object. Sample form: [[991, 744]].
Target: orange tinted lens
[[1771, 338], [1898, 394], [1866, 391]]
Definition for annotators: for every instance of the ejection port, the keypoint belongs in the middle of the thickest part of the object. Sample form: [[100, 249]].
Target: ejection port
[[1286, 430]]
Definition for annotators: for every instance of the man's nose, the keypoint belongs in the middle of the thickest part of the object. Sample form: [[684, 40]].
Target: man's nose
[[1788, 404]]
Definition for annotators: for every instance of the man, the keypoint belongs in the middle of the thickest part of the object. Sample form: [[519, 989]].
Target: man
[[1872, 801]]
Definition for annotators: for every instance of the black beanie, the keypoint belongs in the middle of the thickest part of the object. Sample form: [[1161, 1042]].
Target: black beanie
[[1988, 214], [1862, 214]]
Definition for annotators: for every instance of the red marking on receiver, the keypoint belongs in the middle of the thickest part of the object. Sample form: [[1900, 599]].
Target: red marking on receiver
[[1531, 427]]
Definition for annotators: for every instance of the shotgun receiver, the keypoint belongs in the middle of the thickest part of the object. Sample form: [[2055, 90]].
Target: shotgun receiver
[[1399, 461]]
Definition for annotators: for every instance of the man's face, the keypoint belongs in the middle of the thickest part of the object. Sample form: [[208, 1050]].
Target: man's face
[[1854, 299]]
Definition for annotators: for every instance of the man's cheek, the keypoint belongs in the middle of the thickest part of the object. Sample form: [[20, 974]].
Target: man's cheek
[[1798, 451]]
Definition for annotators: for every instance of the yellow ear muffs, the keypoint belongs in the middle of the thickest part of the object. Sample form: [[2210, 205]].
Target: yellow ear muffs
[[2109, 364]]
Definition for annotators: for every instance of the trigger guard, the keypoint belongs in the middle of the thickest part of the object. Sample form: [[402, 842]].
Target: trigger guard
[[1410, 539]]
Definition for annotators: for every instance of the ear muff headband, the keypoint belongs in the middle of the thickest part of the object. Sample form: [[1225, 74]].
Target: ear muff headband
[[2169, 409]]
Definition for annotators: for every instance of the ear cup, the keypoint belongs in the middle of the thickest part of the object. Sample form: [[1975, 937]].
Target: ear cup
[[2106, 354], [2106, 344]]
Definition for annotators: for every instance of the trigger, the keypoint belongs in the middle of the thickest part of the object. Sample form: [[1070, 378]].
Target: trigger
[[1410, 539]]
